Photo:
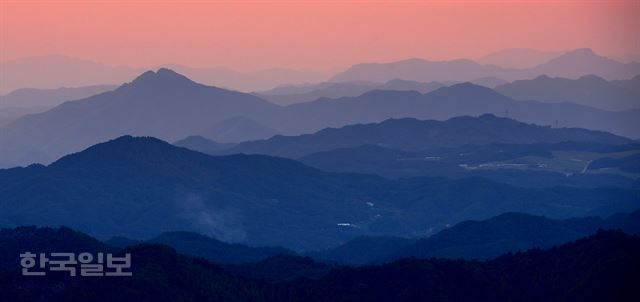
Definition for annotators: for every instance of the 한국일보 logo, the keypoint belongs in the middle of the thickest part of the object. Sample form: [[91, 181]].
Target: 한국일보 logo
[[87, 264]]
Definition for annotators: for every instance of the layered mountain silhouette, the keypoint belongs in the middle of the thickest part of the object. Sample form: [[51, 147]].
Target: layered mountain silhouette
[[48, 98], [236, 129], [25, 101], [250, 81], [572, 64], [415, 135], [421, 70], [300, 94], [8, 115], [140, 187], [169, 106], [486, 239], [54, 71], [447, 102], [163, 104], [584, 61], [518, 58], [596, 268], [204, 145], [288, 95], [588, 90]]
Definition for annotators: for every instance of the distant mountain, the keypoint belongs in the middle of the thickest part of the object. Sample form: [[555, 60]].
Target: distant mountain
[[250, 81], [294, 94], [632, 85], [627, 58], [415, 135], [422, 71], [202, 246], [486, 239], [572, 64], [141, 187], [25, 101], [167, 105], [489, 82], [201, 144], [48, 98], [518, 58], [587, 90], [584, 61], [238, 129], [162, 104], [54, 71], [8, 115], [447, 102]]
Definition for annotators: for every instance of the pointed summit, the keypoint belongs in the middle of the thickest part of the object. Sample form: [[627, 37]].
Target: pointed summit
[[583, 51], [161, 78]]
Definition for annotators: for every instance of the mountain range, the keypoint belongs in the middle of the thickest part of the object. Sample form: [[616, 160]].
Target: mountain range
[[486, 239], [141, 187], [410, 134], [444, 103], [288, 95], [597, 268], [49, 98], [588, 90], [169, 106], [518, 57], [572, 64], [55, 71], [301, 94], [163, 104]]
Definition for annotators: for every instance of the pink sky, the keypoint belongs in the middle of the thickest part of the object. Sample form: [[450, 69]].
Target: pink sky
[[313, 34]]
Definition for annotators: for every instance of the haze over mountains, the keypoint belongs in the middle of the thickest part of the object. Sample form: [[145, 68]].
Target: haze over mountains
[[572, 64], [162, 104], [155, 102], [55, 71], [140, 187], [447, 102], [31, 97], [288, 95], [518, 57], [415, 135], [300, 94], [44, 72], [589, 90]]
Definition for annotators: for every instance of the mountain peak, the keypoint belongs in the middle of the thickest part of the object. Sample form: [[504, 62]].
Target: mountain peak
[[162, 77], [583, 51], [123, 148], [579, 56]]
